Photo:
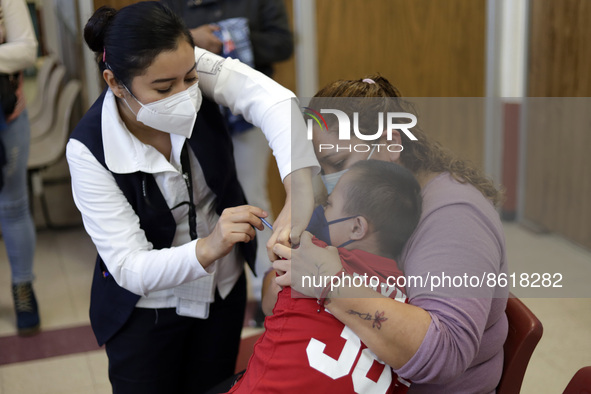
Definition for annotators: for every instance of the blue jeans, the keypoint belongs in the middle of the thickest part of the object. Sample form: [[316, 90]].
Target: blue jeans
[[16, 222]]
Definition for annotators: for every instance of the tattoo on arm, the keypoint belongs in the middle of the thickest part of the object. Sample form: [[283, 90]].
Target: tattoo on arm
[[378, 318]]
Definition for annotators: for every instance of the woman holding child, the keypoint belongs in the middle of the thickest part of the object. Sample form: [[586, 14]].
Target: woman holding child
[[445, 339]]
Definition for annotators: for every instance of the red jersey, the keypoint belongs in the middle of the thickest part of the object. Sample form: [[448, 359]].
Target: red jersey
[[306, 351]]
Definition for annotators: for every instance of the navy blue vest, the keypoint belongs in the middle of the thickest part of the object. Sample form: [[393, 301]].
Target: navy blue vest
[[110, 304]]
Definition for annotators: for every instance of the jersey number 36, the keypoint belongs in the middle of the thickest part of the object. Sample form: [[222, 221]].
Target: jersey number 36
[[342, 366]]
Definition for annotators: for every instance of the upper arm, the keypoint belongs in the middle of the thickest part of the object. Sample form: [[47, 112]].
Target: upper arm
[[456, 240], [235, 85], [457, 246], [20, 49], [263, 102]]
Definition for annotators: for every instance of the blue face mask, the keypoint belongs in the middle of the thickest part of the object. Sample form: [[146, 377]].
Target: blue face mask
[[330, 180], [319, 226]]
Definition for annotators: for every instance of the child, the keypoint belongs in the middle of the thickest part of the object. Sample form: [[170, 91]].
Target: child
[[371, 213]]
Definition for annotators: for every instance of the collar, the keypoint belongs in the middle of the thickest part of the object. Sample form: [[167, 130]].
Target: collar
[[125, 153]]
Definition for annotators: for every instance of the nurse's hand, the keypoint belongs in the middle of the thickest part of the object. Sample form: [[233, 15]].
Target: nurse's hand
[[296, 213], [234, 225]]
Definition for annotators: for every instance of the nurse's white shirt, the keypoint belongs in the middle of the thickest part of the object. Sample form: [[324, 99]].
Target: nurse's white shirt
[[113, 225]]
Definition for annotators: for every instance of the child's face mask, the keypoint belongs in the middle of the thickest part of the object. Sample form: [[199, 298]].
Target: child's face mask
[[174, 115], [319, 226]]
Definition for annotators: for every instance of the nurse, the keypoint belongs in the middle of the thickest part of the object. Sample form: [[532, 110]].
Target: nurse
[[154, 179]]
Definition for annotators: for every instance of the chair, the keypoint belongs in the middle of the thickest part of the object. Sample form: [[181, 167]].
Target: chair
[[580, 383], [35, 107], [43, 123], [245, 351], [47, 150], [525, 331]]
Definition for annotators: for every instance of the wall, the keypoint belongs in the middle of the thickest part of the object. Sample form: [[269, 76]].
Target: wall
[[427, 48], [558, 165]]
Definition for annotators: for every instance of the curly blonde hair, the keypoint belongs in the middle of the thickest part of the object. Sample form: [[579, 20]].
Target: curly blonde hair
[[421, 156]]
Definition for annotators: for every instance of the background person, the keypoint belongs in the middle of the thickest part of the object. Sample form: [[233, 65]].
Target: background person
[[156, 185], [18, 50], [449, 339]]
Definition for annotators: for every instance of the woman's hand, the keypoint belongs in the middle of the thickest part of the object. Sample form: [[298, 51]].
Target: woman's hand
[[234, 225], [296, 213], [306, 261]]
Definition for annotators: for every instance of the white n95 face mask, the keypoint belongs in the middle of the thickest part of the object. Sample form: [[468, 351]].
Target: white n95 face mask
[[175, 114]]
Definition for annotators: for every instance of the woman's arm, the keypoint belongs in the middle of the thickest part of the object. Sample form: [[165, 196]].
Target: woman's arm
[[115, 230], [435, 337], [457, 240], [297, 210], [20, 49], [274, 109], [401, 327], [396, 330], [264, 103]]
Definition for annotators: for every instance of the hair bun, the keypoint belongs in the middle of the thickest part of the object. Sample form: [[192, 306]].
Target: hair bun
[[95, 29]]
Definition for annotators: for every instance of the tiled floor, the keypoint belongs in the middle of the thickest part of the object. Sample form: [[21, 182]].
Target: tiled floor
[[64, 264], [566, 342]]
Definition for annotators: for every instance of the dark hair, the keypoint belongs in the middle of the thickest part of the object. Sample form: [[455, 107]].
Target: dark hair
[[130, 39], [388, 196], [423, 155]]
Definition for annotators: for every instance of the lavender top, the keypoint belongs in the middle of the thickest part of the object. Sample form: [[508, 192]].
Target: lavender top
[[459, 233]]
